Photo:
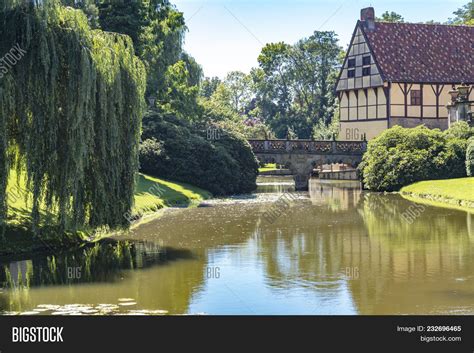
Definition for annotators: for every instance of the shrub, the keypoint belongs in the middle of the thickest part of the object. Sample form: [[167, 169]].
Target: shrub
[[470, 158], [223, 166], [460, 130], [401, 156], [150, 151]]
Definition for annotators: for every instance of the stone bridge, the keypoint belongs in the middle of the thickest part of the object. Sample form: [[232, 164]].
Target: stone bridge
[[302, 156]]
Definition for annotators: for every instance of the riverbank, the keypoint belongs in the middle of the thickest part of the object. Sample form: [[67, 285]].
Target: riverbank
[[151, 195], [452, 193]]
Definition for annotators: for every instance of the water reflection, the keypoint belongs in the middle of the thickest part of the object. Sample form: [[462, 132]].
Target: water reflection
[[102, 262], [338, 195], [337, 251], [275, 184]]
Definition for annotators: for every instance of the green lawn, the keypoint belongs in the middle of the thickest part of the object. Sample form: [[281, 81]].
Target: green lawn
[[454, 192], [268, 167], [152, 194]]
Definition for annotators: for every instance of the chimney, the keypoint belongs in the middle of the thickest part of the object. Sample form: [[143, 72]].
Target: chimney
[[367, 17]]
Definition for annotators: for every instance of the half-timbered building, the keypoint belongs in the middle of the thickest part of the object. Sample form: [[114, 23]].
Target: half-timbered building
[[401, 74]]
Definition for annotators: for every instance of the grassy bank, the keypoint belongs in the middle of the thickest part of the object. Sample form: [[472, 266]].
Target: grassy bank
[[453, 193], [151, 195], [268, 167]]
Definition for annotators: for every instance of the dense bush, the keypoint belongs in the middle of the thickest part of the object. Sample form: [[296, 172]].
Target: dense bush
[[460, 130], [401, 156], [224, 165], [470, 158], [150, 150]]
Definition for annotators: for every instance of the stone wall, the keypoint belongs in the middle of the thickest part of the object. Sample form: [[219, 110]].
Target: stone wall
[[411, 122]]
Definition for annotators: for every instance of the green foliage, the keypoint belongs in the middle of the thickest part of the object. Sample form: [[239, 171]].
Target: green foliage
[[209, 86], [215, 111], [222, 115], [150, 151], [180, 97], [236, 91], [460, 130], [464, 15], [401, 156], [391, 17], [70, 114], [224, 165], [470, 158], [157, 30], [295, 83], [90, 9], [322, 131]]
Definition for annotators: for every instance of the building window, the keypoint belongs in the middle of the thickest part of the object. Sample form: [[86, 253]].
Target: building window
[[415, 96], [366, 60], [366, 71], [351, 73], [351, 63]]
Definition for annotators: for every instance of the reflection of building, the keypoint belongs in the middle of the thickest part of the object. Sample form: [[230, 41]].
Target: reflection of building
[[337, 194], [400, 74]]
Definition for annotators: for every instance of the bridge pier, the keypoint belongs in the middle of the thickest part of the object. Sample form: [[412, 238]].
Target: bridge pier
[[301, 182], [301, 168]]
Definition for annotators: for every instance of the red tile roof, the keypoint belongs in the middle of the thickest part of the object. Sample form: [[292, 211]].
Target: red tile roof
[[409, 52]]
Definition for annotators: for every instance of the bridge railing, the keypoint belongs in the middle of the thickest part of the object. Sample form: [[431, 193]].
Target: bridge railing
[[308, 146]]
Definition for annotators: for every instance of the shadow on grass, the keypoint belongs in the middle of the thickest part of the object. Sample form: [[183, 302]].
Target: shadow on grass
[[19, 238], [152, 193]]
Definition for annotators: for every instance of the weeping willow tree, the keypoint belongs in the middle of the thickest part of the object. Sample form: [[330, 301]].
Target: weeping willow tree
[[70, 115]]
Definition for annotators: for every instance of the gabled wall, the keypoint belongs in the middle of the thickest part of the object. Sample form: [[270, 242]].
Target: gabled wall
[[357, 50]]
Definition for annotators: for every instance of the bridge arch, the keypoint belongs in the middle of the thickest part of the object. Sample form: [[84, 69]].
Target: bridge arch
[[301, 156]]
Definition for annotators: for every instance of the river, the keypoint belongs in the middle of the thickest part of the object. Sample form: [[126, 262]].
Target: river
[[333, 250]]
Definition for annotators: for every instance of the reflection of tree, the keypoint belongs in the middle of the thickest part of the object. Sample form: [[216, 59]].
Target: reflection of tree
[[306, 247], [107, 261], [404, 263], [100, 262], [383, 217], [398, 264]]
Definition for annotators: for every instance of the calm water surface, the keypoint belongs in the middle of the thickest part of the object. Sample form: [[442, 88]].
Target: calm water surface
[[336, 250]]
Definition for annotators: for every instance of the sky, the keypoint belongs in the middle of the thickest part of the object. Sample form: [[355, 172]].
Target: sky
[[228, 35]]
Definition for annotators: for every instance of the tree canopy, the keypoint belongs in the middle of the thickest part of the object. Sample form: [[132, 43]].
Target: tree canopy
[[391, 16], [295, 83], [464, 15]]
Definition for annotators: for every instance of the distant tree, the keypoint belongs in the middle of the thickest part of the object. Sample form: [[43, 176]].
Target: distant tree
[[295, 83], [391, 17], [180, 97], [239, 88], [464, 15], [209, 86]]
